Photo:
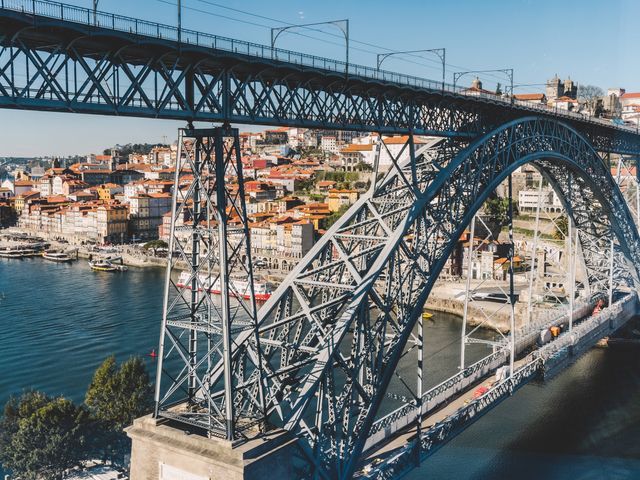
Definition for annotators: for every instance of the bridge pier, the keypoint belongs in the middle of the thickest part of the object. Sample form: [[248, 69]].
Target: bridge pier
[[162, 452]]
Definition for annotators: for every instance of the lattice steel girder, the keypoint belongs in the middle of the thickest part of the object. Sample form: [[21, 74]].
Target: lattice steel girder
[[210, 235], [355, 324], [57, 65]]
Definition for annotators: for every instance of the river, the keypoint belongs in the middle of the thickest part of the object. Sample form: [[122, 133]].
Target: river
[[59, 322]]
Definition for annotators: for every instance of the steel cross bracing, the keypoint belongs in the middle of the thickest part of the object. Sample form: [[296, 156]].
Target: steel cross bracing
[[332, 334], [208, 255], [56, 57]]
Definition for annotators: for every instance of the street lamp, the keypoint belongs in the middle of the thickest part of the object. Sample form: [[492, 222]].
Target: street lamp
[[508, 72], [342, 25], [440, 52], [95, 12], [179, 21]]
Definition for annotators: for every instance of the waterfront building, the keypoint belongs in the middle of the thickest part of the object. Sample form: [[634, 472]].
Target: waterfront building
[[353, 155], [556, 88], [147, 211], [316, 213], [281, 242], [21, 199], [111, 223], [7, 213], [339, 198], [329, 144], [161, 156], [96, 176], [549, 201], [536, 98], [44, 185], [260, 191], [393, 146], [108, 191], [8, 184]]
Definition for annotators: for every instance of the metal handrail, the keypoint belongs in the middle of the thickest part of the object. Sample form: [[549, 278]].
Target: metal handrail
[[120, 23]]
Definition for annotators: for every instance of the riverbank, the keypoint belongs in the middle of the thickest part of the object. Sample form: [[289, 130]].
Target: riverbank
[[448, 297], [133, 255]]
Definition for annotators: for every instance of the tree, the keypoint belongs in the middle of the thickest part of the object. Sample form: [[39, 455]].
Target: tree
[[591, 96], [140, 148], [497, 210], [562, 228], [364, 167], [335, 216], [155, 245], [41, 437], [115, 397], [305, 185]]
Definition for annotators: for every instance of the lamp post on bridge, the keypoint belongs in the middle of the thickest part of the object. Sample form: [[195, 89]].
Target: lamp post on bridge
[[179, 21], [342, 25], [95, 12], [440, 52], [508, 72]]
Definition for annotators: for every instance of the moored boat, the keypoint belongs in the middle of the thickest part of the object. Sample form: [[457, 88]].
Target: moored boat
[[18, 252], [237, 287], [103, 265], [55, 256]]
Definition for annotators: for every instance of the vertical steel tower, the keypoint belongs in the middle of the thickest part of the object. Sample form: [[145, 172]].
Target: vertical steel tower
[[209, 293]]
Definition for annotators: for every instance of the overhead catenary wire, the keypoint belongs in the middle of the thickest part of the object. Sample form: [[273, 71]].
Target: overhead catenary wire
[[434, 62]]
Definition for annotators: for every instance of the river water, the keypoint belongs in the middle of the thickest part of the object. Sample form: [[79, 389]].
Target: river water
[[59, 322]]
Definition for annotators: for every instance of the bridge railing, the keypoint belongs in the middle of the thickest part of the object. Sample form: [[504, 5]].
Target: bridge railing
[[120, 23], [406, 414], [526, 335], [85, 16]]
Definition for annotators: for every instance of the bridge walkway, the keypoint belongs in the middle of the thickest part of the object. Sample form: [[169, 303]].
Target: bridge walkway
[[460, 410], [438, 415]]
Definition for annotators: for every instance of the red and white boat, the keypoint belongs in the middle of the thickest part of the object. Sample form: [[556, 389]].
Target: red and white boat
[[237, 287]]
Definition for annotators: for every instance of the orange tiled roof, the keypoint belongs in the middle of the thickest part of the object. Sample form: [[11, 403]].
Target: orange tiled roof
[[529, 96], [401, 139], [354, 147]]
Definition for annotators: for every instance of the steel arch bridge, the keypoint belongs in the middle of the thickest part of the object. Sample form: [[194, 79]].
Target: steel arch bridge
[[318, 357], [329, 339]]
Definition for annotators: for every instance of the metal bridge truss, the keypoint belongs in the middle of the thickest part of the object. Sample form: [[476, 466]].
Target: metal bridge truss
[[329, 340], [209, 246], [627, 176], [55, 57]]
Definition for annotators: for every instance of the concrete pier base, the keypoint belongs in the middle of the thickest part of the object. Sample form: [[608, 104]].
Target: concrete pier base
[[161, 452]]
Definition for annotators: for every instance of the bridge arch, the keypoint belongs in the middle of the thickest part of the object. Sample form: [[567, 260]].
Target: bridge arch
[[447, 193], [439, 216]]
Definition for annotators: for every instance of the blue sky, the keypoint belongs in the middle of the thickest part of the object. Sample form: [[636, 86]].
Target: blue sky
[[594, 42]]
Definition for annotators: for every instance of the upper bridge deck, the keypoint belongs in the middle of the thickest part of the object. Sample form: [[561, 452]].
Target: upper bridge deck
[[63, 58]]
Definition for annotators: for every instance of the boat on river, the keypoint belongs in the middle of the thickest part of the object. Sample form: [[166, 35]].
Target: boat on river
[[105, 265], [237, 287], [20, 252], [55, 256]]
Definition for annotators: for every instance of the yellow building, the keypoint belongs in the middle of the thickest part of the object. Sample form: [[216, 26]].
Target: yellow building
[[21, 200], [338, 198], [107, 191], [112, 220]]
